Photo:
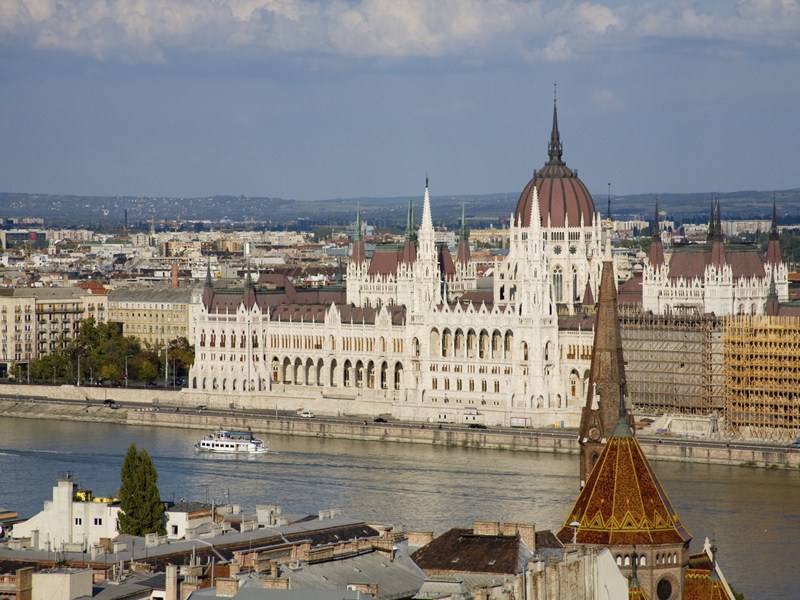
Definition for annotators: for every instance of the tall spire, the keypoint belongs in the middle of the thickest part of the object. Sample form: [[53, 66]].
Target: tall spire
[[655, 255], [605, 397], [656, 229], [410, 221], [463, 233], [711, 222], [555, 149], [358, 253], [427, 220], [774, 255], [357, 231]]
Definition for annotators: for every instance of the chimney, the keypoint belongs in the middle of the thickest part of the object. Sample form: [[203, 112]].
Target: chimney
[[227, 587], [171, 586], [486, 528]]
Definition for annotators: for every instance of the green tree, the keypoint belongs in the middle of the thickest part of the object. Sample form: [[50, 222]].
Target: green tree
[[142, 511], [146, 371]]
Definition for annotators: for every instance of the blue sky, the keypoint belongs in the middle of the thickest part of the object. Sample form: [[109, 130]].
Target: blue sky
[[308, 99]]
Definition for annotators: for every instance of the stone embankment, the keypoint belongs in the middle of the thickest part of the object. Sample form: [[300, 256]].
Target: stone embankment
[[77, 409]]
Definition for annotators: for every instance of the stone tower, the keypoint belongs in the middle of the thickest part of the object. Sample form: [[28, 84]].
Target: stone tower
[[605, 396]]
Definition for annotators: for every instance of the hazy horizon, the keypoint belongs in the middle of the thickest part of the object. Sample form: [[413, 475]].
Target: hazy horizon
[[361, 98]]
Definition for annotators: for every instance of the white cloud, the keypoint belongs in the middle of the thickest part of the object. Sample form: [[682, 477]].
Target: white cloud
[[543, 30]]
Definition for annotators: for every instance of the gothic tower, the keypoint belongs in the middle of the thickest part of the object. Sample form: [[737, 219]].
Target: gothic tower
[[605, 396]]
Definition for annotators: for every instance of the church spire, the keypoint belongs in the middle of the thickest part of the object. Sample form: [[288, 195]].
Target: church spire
[[605, 397], [427, 220], [463, 233], [774, 255], [554, 149], [357, 231], [655, 255]]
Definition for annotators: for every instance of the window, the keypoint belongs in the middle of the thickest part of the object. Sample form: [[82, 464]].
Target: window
[[98, 521], [78, 521], [174, 530]]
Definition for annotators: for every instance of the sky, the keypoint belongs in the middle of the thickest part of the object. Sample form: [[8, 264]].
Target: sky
[[310, 99]]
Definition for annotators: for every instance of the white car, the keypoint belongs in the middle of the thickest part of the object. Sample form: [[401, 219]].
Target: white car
[[307, 414]]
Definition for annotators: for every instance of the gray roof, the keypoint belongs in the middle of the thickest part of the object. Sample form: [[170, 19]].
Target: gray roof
[[50, 293], [185, 546], [166, 295], [257, 593], [398, 578]]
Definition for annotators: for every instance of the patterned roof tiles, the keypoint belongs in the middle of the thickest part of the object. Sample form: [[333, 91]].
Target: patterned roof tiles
[[623, 502]]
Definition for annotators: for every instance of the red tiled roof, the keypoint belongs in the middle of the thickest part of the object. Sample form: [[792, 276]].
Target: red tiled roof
[[630, 292], [446, 265], [384, 262], [689, 264], [623, 502], [699, 585], [563, 197]]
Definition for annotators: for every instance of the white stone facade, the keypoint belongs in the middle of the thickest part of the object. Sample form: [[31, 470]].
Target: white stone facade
[[407, 346]]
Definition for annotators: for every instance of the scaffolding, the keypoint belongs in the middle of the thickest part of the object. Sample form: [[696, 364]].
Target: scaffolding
[[673, 363], [762, 372]]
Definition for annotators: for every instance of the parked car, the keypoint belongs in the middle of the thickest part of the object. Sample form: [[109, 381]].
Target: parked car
[[379, 420], [477, 426], [795, 444], [307, 414], [201, 407]]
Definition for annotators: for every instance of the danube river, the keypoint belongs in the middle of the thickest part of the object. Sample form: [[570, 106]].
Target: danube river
[[753, 514]]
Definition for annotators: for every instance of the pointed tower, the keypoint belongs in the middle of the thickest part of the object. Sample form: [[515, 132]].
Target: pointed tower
[[624, 508], [427, 288], [249, 291], [409, 252], [655, 254], [605, 397], [772, 307], [463, 254], [774, 244], [358, 253], [208, 287], [717, 240], [554, 148]]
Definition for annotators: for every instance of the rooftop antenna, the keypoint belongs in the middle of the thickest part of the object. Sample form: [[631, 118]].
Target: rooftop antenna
[[608, 214]]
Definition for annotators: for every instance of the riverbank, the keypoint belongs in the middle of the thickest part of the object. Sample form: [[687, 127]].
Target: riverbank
[[510, 440]]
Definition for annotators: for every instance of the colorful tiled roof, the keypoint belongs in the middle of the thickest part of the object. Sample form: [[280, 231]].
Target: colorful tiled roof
[[623, 501], [698, 584]]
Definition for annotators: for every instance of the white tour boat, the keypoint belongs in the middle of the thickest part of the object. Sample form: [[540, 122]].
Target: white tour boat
[[231, 442]]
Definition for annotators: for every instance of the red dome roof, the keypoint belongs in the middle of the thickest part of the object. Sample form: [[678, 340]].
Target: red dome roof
[[562, 195]]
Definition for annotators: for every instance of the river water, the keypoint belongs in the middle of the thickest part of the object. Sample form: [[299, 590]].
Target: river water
[[754, 515]]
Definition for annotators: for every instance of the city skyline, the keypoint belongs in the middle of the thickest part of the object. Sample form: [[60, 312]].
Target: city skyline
[[311, 100]]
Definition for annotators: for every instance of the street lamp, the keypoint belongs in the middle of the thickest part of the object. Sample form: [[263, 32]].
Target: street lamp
[[174, 373], [575, 525], [127, 356]]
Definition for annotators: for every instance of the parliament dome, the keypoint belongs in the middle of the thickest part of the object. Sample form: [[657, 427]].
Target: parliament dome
[[563, 197]]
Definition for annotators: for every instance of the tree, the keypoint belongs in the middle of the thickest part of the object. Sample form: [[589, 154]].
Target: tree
[[146, 371], [142, 511]]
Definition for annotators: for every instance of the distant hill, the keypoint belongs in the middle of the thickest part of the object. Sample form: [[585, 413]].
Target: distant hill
[[481, 210]]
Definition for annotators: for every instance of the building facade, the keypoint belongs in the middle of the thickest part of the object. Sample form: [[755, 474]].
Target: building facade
[[72, 521], [154, 316], [414, 337], [37, 321], [714, 278]]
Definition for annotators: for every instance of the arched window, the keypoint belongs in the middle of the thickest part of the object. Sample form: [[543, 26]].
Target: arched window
[[558, 284], [576, 292]]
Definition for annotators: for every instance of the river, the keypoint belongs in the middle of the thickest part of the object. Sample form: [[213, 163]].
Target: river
[[753, 514]]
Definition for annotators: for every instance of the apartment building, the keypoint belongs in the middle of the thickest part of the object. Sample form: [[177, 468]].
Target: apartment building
[[37, 321], [154, 316]]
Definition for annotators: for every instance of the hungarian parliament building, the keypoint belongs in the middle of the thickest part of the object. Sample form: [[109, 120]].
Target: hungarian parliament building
[[417, 337]]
